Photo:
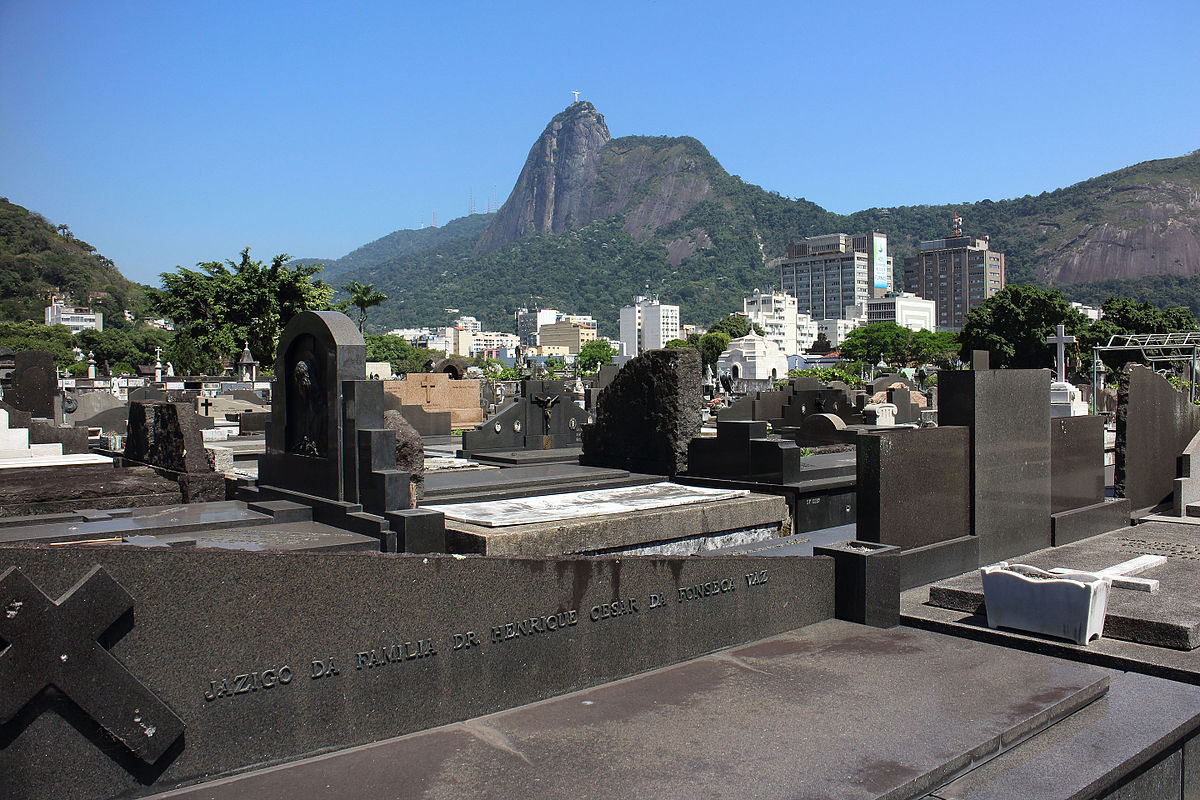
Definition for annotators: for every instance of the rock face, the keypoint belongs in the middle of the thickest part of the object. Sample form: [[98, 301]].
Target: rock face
[[410, 453], [647, 416], [577, 173], [1156, 236], [555, 191]]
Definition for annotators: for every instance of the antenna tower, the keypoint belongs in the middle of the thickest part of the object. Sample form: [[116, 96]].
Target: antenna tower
[[956, 227], [471, 200], [435, 218]]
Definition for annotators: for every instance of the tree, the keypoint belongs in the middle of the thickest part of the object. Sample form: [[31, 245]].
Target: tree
[[712, 344], [363, 296], [735, 326], [879, 341], [594, 355], [221, 305], [1014, 323]]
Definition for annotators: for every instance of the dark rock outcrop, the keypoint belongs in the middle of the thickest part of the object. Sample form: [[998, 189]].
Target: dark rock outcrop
[[410, 453], [647, 416]]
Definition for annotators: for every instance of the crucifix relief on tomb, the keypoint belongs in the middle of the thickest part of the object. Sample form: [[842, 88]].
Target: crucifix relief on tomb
[[54, 643], [546, 403]]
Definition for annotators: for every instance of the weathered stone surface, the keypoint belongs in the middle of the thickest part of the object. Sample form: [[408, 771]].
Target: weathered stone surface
[[410, 452], [166, 435], [24, 492], [34, 386], [647, 416], [436, 393], [1154, 425]]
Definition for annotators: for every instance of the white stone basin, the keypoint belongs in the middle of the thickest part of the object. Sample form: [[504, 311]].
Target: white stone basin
[[1070, 605]]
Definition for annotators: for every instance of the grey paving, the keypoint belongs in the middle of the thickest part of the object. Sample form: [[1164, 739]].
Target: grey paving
[[834, 710], [1140, 719]]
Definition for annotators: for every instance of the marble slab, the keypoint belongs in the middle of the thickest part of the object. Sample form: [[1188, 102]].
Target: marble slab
[[576, 505]]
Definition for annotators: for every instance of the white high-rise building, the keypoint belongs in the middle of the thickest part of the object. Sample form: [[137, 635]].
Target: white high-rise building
[[903, 308], [776, 314], [648, 325]]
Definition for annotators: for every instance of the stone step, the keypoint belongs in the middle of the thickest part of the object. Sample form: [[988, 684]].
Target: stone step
[[283, 510], [1193, 510]]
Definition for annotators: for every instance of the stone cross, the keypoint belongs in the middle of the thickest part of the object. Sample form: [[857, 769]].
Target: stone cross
[[1060, 340], [1120, 574], [55, 643]]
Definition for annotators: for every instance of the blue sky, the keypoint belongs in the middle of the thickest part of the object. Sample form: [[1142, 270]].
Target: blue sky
[[166, 133]]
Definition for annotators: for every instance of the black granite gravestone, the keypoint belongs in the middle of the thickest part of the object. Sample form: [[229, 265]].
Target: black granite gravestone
[[167, 436], [1077, 503], [1008, 413], [744, 450], [913, 491], [34, 383], [647, 416], [326, 439], [1155, 422], [543, 417]]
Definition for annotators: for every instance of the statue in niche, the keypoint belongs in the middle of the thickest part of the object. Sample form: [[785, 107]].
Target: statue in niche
[[307, 424]]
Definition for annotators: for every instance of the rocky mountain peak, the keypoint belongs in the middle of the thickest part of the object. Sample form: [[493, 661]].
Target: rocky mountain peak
[[556, 189]]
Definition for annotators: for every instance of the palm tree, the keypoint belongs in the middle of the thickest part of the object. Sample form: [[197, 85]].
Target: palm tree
[[363, 295]]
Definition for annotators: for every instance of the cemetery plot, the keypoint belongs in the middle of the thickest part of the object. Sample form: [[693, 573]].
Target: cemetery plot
[[1168, 618], [266, 657], [575, 505]]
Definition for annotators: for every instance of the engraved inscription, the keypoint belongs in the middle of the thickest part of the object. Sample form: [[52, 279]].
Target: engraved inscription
[[617, 608], [394, 654], [532, 625], [464, 640], [756, 578], [706, 589], [1158, 547], [324, 668], [248, 682], [657, 600]]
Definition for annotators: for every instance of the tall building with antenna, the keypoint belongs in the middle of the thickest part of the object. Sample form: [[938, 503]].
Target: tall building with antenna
[[957, 273]]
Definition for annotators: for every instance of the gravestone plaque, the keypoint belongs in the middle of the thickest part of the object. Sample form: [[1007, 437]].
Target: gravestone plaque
[[543, 417], [264, 662], [34, 383], [1076, 462]]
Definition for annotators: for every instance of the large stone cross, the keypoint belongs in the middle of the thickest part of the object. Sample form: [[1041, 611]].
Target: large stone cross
[[1060, 340], [53, 643]]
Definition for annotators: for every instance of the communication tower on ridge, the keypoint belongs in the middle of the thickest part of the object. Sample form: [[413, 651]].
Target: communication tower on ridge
[[471, 200], [956, 227]]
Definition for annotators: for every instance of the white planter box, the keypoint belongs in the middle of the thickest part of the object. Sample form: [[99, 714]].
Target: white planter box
[[1069, 605]]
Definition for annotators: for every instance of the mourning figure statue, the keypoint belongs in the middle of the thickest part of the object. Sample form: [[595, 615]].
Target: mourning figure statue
[[306, 412]]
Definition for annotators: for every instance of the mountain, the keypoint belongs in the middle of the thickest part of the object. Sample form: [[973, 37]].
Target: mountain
[[399, 244], [38, 259], [592, 221]]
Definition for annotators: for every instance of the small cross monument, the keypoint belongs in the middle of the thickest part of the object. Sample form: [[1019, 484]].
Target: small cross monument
[[1065, 399], [1060, 340]]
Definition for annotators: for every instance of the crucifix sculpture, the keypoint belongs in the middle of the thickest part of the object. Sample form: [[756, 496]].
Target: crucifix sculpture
[[547, 402]]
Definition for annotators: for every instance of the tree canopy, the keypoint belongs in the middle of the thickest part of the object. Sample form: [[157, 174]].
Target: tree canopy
[[898, 346], [735, 327], [221, 305], [1014, 323], [594, 355]]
